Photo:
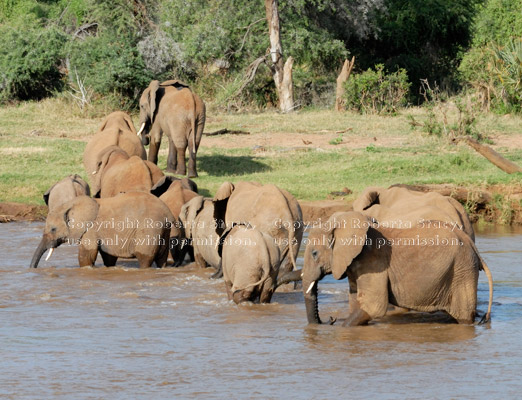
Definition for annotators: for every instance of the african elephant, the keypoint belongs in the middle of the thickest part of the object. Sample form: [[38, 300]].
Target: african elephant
[[172, 108], [64, 190], [401, 205], [116, 173], [269, 209], [197, 218], [116, 130], [175, 197], [129, 225], [425, 268], [250, 262]]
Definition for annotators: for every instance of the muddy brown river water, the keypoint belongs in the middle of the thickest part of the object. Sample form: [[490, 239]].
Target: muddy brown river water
[[125, 333]]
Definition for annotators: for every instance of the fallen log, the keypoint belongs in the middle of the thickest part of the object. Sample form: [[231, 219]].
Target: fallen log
[[491, 155], [226, 132]]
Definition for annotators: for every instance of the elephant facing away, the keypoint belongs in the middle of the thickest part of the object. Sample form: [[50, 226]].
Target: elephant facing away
[[250, 262], [116, 130], [175, 197], [130, 225], [197, 218], [64, 190], [267, 208], [172, 108], [425, 268], [400, 207], [117, 173]]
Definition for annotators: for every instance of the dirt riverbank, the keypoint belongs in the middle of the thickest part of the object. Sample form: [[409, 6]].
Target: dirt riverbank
[[497, 204]]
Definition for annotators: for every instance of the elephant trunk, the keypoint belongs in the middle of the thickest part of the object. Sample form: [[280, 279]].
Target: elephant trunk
[[311, 303], [40, 250]]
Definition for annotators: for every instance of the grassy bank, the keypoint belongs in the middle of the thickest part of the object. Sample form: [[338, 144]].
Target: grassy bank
[[310, 153]]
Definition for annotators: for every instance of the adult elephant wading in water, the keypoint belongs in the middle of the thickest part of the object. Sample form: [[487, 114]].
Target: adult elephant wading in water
[[172, 108]]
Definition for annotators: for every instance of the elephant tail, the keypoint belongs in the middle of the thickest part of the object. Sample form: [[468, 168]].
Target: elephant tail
[[487, 316], [193, 122]]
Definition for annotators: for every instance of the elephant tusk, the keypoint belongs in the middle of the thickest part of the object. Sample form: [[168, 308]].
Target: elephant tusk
[[310, 287], [49, 254], [141, 129], [301, 274], [94, 172]]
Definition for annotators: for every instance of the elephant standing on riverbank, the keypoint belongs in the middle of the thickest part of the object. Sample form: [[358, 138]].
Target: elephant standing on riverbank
[[172, 108], [426, 269], [130, 225]]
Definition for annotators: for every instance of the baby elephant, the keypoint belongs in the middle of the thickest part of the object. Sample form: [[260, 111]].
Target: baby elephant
[[250, 263]]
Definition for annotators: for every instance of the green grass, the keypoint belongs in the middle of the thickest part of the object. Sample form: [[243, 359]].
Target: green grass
[[42, 142]]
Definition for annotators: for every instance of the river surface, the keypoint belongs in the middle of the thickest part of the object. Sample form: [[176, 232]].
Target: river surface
[[123, 333]]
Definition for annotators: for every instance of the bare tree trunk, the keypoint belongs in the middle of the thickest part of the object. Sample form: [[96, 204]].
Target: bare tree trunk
[[492, 156], [341, 79], [283, 83]]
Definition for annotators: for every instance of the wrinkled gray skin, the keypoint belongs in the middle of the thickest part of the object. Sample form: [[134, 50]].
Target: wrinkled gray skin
[[250, 263], [396, 206], [130, 225], [116, 130], [67, 189], [269, 209], [383, 266], [172, 108], [197, 217]]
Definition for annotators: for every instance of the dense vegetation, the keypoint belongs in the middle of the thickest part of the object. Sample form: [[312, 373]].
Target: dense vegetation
[[100, 49]]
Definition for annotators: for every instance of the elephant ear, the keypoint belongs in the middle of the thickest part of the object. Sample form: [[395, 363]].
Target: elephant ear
[[129, 123], [162, 185], [189, 212], [348, 231], [102, 162], [80, 216], [47, 194], [224, 191], [81, 187], [104, 123], [153, 89], [366, 199]]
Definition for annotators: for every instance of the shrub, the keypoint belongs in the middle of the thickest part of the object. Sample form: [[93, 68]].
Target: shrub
[[374, 91], [30, 61]]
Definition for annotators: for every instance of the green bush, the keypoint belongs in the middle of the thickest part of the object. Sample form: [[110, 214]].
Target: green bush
[[30, 66], [374, 91]]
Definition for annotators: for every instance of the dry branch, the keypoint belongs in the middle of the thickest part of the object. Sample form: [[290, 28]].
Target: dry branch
[[491, 155], [341, 79], [226, 132]]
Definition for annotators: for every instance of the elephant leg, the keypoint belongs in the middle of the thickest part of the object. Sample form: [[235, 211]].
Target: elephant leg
[[228, 286], [172, 160], [144, 260], [200, 261], [357, 315], [267, 291], [87, 257], [155, 144], [192, 172], [108, 260], [218, 274], [181, 168]]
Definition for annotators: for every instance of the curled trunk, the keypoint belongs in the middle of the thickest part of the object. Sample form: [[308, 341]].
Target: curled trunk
[[39, 252]]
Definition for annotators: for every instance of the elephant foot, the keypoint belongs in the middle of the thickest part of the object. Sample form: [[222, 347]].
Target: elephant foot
[[171, 170], [195, 175], [217, 275]]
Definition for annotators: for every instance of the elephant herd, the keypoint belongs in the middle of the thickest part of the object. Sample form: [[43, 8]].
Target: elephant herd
[[398, 247]]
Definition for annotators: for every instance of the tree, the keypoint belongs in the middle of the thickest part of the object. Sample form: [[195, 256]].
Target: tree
[[282, 71]]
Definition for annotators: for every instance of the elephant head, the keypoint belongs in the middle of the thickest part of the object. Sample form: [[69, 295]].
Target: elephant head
[[148, 106], [108, 157], [368, 198], [331, 250], [118, 119], [66, 189], [189, 212], [69, 222]]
